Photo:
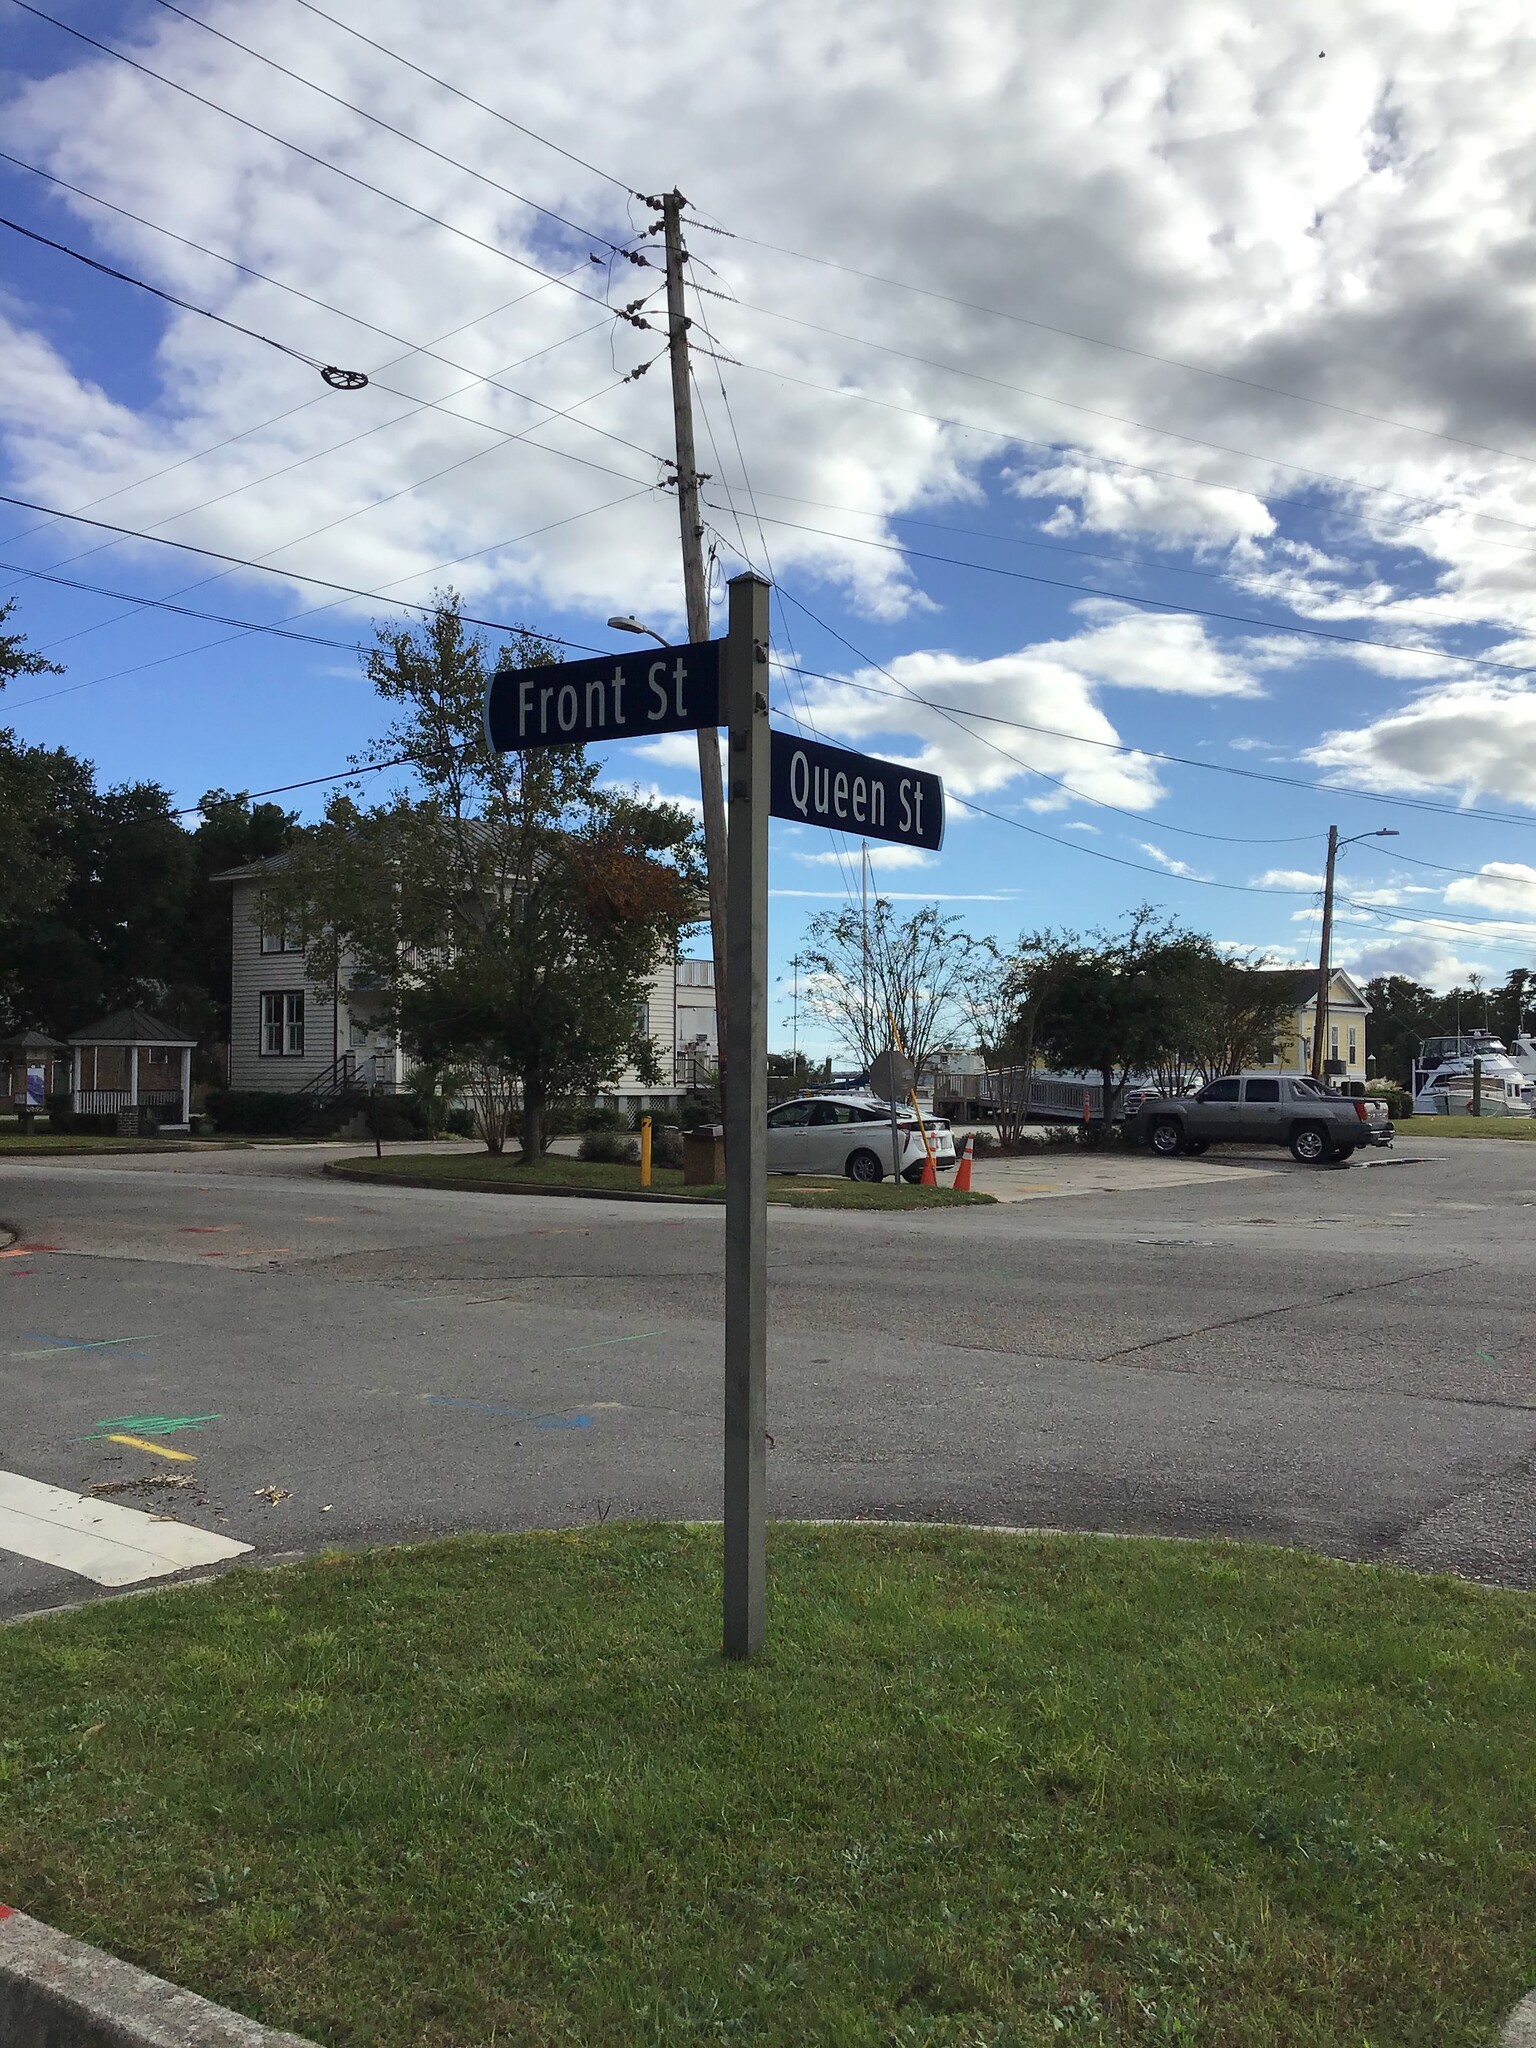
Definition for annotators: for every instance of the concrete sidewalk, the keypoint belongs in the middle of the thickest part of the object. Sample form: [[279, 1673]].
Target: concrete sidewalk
[[1077, 1170]]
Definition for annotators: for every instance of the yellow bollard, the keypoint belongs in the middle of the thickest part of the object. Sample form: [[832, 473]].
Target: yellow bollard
[[645, 1151]]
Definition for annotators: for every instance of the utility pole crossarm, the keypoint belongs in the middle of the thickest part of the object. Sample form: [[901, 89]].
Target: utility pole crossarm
[[711, 787]]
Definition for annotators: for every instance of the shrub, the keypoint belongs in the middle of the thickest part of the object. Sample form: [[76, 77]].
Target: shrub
[[610, 1148], [667, 1146], [259, 1112], [459, 1122], [1399, 1102]]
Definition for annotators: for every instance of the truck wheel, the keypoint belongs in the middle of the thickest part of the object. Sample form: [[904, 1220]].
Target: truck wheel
[[1192, 1148], [864, 1166], [1309, 1144], [1341, 1155], [1167, 1137]]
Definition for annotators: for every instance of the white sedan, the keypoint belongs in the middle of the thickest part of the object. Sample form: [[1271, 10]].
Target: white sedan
[[851, 1134]]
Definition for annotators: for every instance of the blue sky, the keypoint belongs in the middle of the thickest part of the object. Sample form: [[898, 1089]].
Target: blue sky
[[1280, 373]]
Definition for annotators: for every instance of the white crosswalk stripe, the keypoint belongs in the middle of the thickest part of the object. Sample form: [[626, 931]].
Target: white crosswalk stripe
[[115, 1546]]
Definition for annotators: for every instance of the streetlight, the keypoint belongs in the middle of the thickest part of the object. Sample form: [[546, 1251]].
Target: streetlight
[[1324, 965], [633, 625]]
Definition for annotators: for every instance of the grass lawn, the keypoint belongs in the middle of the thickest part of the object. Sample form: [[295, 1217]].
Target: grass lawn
[[1468, 1127], [981, 1792], [506, 1173]]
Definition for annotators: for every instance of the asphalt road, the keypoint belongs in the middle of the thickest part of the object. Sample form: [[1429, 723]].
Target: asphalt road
[[1341, 1359]]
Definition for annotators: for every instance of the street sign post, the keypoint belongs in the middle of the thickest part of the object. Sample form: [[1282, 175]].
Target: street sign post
[[677, 689], [892, 1076]]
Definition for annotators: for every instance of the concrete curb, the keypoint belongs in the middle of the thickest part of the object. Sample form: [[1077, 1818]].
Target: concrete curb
[[454, 1185], [56, 1992], [1520, 2027]]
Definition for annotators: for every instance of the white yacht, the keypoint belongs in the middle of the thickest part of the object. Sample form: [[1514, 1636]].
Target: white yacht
[[1443, 1077]]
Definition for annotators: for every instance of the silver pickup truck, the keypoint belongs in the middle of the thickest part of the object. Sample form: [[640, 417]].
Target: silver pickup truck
[[1321, 1127]]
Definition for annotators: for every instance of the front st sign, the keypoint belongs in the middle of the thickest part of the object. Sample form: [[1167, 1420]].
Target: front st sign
[[616, 697], [814, 784]]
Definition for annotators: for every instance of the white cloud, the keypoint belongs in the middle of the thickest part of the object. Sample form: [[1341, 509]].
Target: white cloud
[[1499, 885], [1134, 651], [886, 857], [1476, 737], [1189, 181], [961, 740], [1174, 867], [1286, 878]]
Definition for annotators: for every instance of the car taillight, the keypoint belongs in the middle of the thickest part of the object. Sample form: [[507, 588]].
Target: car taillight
[[1360, 1110]]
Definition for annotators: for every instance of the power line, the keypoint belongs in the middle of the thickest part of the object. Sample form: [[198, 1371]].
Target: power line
[[1119, 347], [1059, 449], [340, 380], [324, 583], [324, 163], [1157, 603], [1333, 789], [277, 418], [402, 603], [374, 504], [1093, 411], [587, 234], [251, 796], [413, 348], [924, 291], [165, 604], [468, 98]]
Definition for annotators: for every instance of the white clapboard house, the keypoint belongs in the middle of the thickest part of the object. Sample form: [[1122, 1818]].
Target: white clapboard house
[[287, 1034]]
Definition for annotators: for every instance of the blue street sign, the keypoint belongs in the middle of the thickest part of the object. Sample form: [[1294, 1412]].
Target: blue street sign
[[615, 697], [814, 784]]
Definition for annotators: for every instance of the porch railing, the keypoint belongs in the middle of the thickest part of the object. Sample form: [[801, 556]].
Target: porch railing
[[108, 1101]]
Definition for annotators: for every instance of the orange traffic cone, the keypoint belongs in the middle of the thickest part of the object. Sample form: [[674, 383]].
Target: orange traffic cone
[[929, 1178], [963, 1170]]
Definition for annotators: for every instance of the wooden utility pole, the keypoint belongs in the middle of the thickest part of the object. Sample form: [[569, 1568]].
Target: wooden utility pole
[[695, 592], [1325, 966]]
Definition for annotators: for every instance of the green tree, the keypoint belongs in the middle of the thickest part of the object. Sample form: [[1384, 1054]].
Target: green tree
[[509, 912], [1112, 1010], [1402, 1013]]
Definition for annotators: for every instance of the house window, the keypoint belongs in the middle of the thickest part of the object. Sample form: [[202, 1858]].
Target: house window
[[282, 1022], [1333, 1041], [278, 937], [1354, 1047]]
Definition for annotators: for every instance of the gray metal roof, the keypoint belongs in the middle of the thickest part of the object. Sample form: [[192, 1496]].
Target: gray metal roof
[[130, 1027]]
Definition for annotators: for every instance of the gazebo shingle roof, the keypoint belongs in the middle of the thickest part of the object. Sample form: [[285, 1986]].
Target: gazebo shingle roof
[[130, 1027], [31, 1041]]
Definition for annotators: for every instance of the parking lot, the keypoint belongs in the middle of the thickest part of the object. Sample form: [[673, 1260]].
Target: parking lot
[[1237, 1344]]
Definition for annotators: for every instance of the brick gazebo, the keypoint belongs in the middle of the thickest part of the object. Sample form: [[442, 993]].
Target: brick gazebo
[[131, 1062]]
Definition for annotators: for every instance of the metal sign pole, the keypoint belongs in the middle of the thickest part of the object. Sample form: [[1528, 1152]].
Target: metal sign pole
[[745, 704]]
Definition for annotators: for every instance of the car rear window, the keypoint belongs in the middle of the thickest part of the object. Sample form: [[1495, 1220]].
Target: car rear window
[[1311, 1091]]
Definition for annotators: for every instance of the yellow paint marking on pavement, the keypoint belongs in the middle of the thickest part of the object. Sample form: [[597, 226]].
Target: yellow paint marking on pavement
[[139, 1443]]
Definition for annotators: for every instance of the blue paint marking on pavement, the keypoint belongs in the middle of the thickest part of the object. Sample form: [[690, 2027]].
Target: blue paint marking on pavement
[[74, 1344]]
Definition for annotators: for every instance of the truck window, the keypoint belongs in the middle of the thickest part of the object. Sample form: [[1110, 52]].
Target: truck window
[[1261, 1091], [1219, 1091]]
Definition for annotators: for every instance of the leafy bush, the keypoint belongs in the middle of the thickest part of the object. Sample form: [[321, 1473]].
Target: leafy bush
[[1399, 1102], [459, 1122], [667, 1146], [259, 1112], [611, 1148]]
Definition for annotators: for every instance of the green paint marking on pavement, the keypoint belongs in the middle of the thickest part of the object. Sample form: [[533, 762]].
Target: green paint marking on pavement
[[156, 1425], [1488, 1356]]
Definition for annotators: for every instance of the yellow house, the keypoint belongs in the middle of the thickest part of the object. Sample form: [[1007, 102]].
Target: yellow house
[[1347, 1012]]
